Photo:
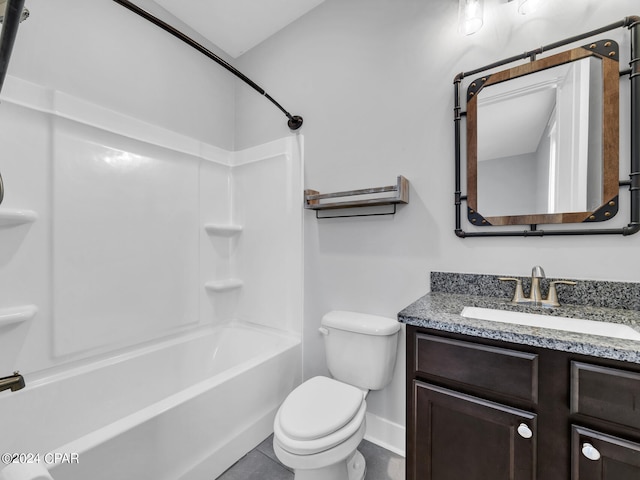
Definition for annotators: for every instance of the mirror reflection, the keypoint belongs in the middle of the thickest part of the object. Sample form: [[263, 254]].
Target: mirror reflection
[[542, 140], [539, 142]]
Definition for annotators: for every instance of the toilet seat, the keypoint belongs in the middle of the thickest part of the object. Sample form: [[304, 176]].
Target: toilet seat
[[319, 407], [318, 415]]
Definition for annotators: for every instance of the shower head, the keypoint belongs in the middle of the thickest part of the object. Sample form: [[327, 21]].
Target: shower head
[[3, 5]]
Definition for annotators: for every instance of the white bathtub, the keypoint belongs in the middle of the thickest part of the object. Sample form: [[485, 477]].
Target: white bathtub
[[183, 409]]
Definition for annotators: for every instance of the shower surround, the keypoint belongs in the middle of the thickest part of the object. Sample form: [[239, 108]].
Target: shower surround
[[129, 245]]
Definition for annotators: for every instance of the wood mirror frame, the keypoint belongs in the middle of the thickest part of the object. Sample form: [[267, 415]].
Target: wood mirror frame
[[607, 51]]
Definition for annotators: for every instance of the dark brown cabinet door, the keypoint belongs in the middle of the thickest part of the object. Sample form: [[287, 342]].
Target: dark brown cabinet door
[[597, 456], [459, 436]]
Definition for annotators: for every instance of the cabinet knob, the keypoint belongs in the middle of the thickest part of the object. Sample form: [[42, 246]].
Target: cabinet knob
[[524, 431], [590, 452]]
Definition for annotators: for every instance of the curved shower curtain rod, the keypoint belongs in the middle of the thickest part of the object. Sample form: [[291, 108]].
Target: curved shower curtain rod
[[295, 121], [10, 21]]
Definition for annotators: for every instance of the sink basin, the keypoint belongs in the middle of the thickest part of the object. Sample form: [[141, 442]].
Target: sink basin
[[605, 329]]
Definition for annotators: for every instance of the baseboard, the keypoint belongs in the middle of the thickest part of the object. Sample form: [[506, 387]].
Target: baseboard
[[386, 434]]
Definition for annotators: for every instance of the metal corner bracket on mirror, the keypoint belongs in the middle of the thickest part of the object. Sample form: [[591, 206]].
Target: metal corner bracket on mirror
[[542, 140]]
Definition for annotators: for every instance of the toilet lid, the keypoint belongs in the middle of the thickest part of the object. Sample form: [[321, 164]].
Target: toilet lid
[[319, 407]]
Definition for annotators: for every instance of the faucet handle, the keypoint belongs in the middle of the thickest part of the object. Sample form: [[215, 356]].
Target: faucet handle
[[518, 294], [552, 298]]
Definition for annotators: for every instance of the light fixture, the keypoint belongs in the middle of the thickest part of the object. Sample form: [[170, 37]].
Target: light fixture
[[528, 6], [470, 16]]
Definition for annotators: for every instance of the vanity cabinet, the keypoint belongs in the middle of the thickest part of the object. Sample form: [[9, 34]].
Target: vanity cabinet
[[480, 409]]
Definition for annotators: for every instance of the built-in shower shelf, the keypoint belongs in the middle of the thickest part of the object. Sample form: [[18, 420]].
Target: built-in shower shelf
[[368, 197], [224, 285], [14, 315], [224, 230], [10, 217]]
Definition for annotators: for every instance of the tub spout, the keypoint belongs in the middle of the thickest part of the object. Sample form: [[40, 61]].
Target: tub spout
[[13, 382]]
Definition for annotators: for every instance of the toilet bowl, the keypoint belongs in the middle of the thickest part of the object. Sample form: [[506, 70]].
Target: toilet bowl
[[321, 423], [318, 429]]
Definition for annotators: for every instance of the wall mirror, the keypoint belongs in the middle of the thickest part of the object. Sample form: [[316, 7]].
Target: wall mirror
[[542, 140]]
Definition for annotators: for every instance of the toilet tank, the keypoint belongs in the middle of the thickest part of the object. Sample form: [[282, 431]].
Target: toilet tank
[[360, 348]]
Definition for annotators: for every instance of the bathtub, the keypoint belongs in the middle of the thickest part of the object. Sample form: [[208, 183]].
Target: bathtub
[[185, 408]]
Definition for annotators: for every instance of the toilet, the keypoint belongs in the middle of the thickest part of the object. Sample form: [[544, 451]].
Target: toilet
[[321, 423]]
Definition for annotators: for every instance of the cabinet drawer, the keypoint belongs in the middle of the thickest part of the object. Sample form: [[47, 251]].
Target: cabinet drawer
[[499, 370], [605, 393]]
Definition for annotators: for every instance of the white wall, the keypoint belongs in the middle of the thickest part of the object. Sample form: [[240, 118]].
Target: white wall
[[107, 55], [373, 80]]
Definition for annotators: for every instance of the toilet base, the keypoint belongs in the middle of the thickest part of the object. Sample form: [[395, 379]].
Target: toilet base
[[357, 466], [354, 468]]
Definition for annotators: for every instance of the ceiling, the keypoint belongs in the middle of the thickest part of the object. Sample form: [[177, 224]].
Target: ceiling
[[236, 26]]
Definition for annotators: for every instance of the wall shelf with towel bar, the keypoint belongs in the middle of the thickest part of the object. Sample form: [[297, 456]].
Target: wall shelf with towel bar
[[12, 217], [369, 197]]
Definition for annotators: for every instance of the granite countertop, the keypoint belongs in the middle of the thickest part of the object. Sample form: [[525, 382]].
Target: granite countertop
[[441, 310]]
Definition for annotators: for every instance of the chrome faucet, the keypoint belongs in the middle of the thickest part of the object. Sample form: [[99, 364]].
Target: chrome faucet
[[13, 382], [535, 294]]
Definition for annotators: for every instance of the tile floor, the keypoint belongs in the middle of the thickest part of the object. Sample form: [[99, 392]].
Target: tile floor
[[261, 464]]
